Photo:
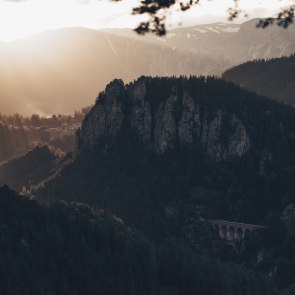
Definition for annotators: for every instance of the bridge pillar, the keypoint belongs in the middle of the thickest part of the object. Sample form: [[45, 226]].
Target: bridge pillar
[[222, 232], [231, 233], [239, 233], [234, 231]]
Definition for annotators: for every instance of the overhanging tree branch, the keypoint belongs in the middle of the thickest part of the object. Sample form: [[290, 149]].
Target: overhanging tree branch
[[157, 11]]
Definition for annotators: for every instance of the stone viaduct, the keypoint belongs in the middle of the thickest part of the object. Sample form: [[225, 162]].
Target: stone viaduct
[[234, 231]]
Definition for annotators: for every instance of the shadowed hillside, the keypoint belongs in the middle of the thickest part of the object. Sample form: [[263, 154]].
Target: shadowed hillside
[[69, 249], [162, 153], [28, 169], [274, 78], [163, 136]]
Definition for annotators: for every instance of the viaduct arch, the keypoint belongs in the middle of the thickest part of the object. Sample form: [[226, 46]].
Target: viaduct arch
[[234, 231]]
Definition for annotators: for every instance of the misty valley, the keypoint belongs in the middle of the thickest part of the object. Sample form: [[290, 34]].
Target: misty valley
[[153, 165]]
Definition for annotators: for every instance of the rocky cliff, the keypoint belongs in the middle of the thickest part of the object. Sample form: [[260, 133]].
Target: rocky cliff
[[145, 147], [177, 118]]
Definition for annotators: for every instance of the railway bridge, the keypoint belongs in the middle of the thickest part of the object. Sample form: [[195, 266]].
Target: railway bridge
[[234, 231]]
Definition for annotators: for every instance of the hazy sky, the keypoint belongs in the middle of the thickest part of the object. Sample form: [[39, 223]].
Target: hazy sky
[[20, 18]]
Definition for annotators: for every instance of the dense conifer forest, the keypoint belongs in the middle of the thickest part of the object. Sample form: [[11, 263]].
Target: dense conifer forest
[[75, 249], [69, 249], [28, 169], [121, 169], [160, 240], [164, 195], [273, 78]]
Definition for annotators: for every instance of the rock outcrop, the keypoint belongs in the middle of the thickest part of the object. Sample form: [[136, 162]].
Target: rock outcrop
[[288, 217], [177, 119], [105, 118], [152, 150]]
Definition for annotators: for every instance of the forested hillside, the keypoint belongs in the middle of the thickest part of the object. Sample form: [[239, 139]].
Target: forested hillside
[[28, 169], [274, 78], [162, 152], [159, 138], [15, 141], [69, 249], [20, 134], [75, 249]]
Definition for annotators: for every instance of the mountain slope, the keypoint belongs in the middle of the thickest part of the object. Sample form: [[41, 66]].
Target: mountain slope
[[69, 249], [163, 152], [146, 145], [28, 169], [274, 78], [61, 71], [18, 140], [233, 43]]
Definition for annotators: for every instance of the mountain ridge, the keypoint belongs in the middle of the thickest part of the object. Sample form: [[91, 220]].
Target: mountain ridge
[[206, 127], [140, 155], [61, 71], [273, 77], [156, 126]]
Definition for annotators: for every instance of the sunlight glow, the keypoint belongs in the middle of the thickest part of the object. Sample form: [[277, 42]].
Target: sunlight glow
[[19, 19]]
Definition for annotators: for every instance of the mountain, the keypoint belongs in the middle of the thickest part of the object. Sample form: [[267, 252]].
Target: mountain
[[72, 248], [28, 169], [163, 153], [158, 138], [61, 71], [273, 78], [233, 43]]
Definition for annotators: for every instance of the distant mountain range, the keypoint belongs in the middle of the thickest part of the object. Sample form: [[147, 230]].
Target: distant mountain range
[[274, 78], [61, 71], [233, 43]]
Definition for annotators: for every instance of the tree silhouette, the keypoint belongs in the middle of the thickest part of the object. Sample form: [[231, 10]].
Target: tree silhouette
[[157, 11]]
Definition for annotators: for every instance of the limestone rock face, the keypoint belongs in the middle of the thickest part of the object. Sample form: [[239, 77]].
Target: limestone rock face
[[140, 111], [105, 118], [177, 119], [186, 124], [165, 125], [219, 147]]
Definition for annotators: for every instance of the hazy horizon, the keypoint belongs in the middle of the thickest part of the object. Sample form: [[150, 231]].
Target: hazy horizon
[[63, 70], [19, 19], [55, 56]]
